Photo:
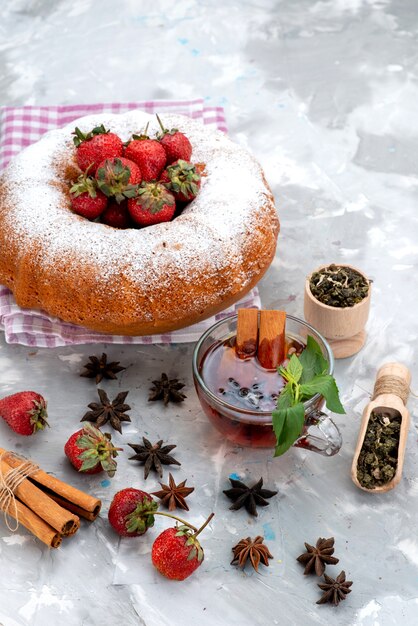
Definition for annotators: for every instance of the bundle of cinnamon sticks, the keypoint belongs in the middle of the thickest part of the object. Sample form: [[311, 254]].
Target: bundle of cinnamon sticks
[[48, 507]]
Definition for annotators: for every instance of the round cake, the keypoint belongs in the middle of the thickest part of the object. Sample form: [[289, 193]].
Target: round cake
[[134, 281]]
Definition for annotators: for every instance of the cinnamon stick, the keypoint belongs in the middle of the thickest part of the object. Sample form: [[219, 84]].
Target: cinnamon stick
[[65, 522], [272, 338], [35, 524], [69, 497], [247, 333], [70, 506]]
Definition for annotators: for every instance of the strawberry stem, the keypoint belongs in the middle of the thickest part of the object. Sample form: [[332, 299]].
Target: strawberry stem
[[160, 123], [178, 519], [197, 531], [204, 525]]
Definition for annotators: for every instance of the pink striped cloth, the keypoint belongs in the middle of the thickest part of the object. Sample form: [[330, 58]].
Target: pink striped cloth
[[21, 126]]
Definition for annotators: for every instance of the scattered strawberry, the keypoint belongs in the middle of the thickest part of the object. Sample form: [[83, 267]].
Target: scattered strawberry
[[86, 199], [129, 512], [182, 179], [176, 553], [94, 147], [90, 451], [175, 144], [116, 215], [25, 412], [119, 178], [148, 154], [173, 555], [153, 204]]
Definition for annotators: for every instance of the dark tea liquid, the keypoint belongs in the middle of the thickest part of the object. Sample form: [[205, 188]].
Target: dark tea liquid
[[244, 384]]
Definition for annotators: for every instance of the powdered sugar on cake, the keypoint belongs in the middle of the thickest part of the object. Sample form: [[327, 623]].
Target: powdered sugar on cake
[[211, 235]]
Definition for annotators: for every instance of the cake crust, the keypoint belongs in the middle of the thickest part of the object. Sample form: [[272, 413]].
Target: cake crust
[[134, 281]]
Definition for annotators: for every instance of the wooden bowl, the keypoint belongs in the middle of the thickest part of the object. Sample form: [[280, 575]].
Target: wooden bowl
[[343, 327]]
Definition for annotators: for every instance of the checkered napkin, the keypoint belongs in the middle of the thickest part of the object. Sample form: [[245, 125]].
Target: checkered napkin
[[21, 126]]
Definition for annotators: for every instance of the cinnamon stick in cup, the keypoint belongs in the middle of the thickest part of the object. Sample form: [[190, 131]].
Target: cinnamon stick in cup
[[62, 520], [247, 333], [68, 497], [272, 338], [35, 524]]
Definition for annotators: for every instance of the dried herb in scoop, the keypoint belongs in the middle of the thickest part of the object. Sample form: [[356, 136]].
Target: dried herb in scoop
[[305, 376], [378, 458]]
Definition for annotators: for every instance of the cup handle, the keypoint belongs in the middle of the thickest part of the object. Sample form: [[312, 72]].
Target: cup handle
[[320, 435]]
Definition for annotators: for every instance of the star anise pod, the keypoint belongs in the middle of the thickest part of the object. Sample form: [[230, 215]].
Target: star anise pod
[[334, 590], [154, 456], [167, 390], [100, 368], [250, 497], [255, 550], [172, 495], [107, 411], [317, 556]]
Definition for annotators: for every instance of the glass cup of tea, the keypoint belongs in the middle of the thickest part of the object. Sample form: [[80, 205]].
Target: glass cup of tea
[[238, 396]]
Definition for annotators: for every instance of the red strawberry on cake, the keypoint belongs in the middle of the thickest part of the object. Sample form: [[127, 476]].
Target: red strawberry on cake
[[95, 146], [182, 179], [86, 199], [118, 178], [176, 144], [148, 154], [152, 205], [116, 215]]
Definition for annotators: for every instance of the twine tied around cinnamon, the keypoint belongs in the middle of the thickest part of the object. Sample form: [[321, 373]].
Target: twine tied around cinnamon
[[393, 385], [9, 482]]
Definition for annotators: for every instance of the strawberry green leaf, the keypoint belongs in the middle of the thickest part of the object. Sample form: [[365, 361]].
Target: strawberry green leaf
[[192, 554], [136, 525], [85, 442], [89, 464], [88, 454], [199, 553], [109, 466], [327, 387]]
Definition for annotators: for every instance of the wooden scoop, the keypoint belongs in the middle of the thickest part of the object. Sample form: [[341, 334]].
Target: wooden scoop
[[390, 394], [263, 334]]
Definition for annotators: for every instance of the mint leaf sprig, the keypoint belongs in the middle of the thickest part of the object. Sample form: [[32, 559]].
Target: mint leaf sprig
[[305, 376]]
